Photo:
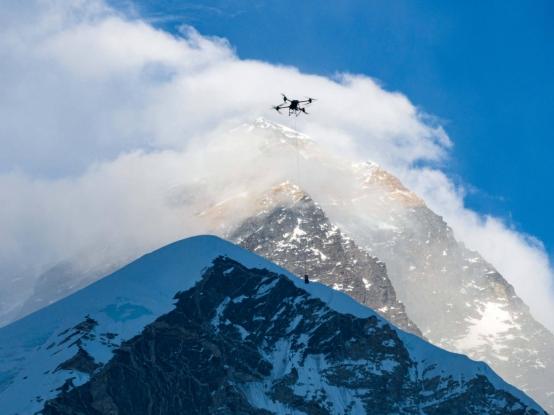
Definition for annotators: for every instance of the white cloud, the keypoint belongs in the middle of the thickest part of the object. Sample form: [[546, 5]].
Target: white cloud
[[519, 257], [103, 122]]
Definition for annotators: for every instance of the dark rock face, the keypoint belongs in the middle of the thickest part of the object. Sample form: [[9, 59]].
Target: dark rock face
[[248, 341], [82, 331], [82, 362], [295, 233]]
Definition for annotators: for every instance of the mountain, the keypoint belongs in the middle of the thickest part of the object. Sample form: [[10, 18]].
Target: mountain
[[203, 326], [293, 231], [97, 319], [455, 297]]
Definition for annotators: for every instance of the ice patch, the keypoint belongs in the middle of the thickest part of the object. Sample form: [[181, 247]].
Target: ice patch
[[242, 331], [216, 320], [126, 311], [495, 321], [265, 288], [294, 323]]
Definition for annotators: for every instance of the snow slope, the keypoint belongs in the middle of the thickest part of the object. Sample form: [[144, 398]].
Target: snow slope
[[122, 303]]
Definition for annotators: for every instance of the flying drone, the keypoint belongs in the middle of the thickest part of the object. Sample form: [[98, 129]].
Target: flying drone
[[295, 106]]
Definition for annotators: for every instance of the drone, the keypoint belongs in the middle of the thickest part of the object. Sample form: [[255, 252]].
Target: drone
[[295, 106]]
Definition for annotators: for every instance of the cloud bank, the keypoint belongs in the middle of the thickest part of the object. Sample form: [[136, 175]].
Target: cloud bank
[[107, 126]]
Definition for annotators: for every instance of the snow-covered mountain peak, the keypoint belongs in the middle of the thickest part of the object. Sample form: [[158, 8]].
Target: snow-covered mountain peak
[[203, 326], [292, 230], [98, 319], [273, 133], [262, 123]]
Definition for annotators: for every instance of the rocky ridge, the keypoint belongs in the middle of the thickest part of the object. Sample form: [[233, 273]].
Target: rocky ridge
[[291, 230], [248, 341]]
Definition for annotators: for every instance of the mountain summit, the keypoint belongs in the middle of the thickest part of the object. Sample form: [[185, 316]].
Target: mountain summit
[[204, 327], [293, 231]]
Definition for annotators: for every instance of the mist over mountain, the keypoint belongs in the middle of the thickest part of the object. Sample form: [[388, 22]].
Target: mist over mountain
[[154, 127]]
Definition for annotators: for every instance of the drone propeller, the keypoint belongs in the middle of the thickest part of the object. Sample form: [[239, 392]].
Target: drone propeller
[[285, 99], [310, 100], [276, 108]]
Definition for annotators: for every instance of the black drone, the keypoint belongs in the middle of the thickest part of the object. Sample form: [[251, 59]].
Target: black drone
[[295, 106]]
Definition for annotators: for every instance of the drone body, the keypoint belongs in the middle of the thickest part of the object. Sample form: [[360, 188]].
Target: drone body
[[295, 106]]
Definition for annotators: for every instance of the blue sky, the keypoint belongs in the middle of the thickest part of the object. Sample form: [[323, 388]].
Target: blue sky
[[484, 68]]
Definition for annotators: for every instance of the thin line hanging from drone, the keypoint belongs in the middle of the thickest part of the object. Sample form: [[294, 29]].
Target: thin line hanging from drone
[[296, 107]]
